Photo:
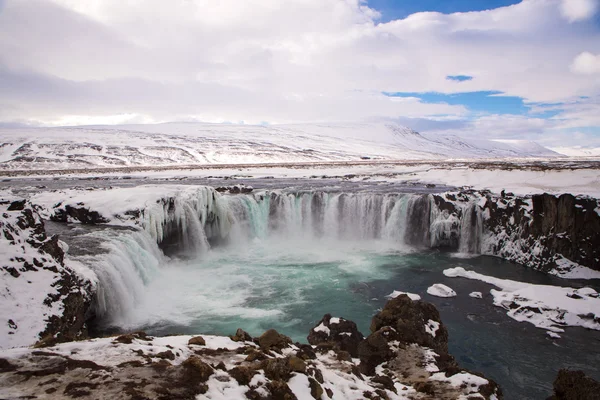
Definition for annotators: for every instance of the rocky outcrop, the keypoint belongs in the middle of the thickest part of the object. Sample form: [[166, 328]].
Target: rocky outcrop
[[339, 332], [80, 214], [137, 366], [575, 385], [43, 299]]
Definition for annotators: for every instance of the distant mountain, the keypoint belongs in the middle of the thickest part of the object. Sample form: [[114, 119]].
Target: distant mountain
[[197, 143]]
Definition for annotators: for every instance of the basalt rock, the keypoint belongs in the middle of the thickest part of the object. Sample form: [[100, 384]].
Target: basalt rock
[[341, 332], [575, 385], [36, 256], [409, 319], [81, 214]]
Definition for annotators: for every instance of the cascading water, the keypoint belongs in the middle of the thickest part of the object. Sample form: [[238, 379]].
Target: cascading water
[[185, 226], [282, 259]]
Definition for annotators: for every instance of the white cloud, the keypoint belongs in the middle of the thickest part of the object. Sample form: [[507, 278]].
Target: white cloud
[[267, 60], [579, 10], [586, 63]]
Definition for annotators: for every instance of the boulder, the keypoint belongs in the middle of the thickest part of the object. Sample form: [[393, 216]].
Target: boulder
[[273, 340], [413, 322], [341, 332], [197, 340]]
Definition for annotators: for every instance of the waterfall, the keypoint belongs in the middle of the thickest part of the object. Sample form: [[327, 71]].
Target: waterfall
[[471, 229], [189, 223], [130, 261]]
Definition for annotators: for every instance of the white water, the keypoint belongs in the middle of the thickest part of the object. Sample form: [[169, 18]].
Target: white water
[[268, 228]]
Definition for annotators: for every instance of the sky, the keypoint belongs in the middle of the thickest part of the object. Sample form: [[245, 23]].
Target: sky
[[497, 69]]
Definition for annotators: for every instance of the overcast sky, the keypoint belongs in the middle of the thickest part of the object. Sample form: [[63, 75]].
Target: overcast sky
[[528, 69]]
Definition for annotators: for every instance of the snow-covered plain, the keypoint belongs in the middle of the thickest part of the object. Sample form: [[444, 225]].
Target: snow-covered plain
[[206, 144]]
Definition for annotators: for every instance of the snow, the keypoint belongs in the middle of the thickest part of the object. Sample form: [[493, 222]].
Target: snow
[[334, 320], [476, 295], [23, 308], [195, 143], [300, 386], [397, 293], [432, 327], [441, 290], [322, 328], [568, 269], [553, 335], [547, 307]]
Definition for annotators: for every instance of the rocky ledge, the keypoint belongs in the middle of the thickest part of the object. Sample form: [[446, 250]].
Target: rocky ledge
[[41, 298], [404, 357]]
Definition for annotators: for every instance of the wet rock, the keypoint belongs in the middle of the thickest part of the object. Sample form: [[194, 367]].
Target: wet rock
[[575, 385], [197, 341], [339, 331], [272, 339]]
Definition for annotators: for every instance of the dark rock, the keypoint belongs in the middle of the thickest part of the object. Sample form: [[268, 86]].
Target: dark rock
[[297, 364], [197, 340], [17, 205], [316, 391], [241, 336], [198, 368], [129, 337], [409, 318], [166, 355], [280, 391], [243, 375], [373, 351], [425, 387], [272, 339], [575, 385], [306, 352], [385, 382], [277, 368], [344, 334]]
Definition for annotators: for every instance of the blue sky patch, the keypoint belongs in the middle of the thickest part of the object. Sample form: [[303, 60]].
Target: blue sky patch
[[397, 9], [459, 78], [487, 102]]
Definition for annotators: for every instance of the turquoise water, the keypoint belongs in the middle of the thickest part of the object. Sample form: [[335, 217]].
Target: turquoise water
[[290, 285]]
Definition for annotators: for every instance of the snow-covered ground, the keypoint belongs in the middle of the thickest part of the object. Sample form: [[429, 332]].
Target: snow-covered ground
[[206, 144]]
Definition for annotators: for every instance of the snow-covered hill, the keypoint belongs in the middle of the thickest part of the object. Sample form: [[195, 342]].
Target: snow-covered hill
[[195, 143]]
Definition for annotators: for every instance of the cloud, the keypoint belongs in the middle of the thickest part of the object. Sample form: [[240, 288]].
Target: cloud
[[579, 10], [307, 60], [586, 63]]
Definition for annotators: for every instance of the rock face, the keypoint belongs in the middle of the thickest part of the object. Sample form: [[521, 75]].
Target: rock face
[[137, 366], [551, 233], [575, 385], [43, 299]]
